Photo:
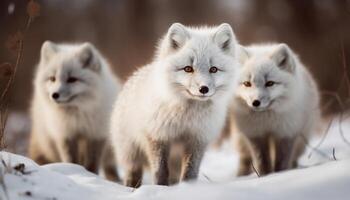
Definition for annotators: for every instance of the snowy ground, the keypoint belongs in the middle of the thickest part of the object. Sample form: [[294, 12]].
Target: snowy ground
[[325, 174]]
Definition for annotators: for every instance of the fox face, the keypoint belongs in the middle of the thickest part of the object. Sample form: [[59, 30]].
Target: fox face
[[267, 77], [199, 63], [68, 74]]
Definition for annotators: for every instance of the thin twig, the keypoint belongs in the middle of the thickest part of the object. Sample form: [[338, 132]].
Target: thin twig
[[2, 179], [18, 60], [341, 129], [336, 96], [3, 186], [4, 102], [313, 148], [333, 153], [207, 177], [255, 170], [345, 69], [3, 120], [322, 139]]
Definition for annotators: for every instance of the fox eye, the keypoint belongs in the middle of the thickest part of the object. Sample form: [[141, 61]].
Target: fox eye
[[188, 69], [52, 78], [269, 83], [71, 80], [213, 70], [247, 84]]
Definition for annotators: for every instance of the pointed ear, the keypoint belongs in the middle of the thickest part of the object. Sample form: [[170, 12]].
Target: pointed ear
[[225, 38], [283, 57], [88, 58], [177, 36], [48, 49], [243, 54]]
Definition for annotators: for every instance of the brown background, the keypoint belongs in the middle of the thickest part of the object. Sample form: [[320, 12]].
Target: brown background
[[126, 31]]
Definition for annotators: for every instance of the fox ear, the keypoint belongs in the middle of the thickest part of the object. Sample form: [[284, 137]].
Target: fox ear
[[225, 38], [87, 57], [243, 54], [177, 35], [283, 57], [48, 49]]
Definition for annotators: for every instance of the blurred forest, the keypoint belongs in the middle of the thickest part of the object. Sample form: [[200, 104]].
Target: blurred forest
[[126, 32]]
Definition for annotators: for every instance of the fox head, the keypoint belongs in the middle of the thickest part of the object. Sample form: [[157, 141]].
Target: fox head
[[267, 78], [198, 63], [68, 74]]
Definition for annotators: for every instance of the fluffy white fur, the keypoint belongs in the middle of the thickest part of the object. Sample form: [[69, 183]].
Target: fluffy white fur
[[289, 107], [162, 103], [84, 105]]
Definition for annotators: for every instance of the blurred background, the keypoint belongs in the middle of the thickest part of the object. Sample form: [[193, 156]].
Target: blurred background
[[126, 32]]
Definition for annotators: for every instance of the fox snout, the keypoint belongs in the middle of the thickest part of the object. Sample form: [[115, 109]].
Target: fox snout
[[55, 96], [61, 96], [204, 89], [256, 103], [201, 92], [259, 103], [257, 100]]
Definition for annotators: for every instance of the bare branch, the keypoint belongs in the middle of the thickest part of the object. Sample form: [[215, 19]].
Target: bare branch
[[255, 170], [341, 129], [15, 43], [207, 177], [333, 153], [324, 136], [313, 148]]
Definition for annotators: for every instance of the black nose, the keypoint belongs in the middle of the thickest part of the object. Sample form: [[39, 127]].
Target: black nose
[[203, 89], [256, 103], [55, 95]]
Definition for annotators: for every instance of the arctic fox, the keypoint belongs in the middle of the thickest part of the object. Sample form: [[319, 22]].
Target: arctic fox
[[276, 102], [181, 97], [74, 91]]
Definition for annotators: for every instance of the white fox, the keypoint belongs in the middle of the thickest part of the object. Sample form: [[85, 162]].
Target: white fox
[[182, 96], [74, 91], [276, 100]]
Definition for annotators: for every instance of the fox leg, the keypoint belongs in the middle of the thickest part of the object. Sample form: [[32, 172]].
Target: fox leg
[[38, 154], [134, 169], [68, 149], [284, 152], [298, 150], [133, 161], [109, 165], [245, 157], [133, 177], [193, 154], [261, 155], [92, 154], [158, 153]]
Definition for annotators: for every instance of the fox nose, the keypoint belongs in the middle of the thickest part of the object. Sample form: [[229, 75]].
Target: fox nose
[[256, 103], [55, 95], [203, 89]]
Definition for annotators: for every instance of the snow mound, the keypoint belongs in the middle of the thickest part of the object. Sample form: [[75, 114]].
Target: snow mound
[[324, 174], [68, 181]]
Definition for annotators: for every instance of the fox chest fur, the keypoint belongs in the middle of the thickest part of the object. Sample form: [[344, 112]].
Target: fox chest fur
[[257, 124], [75, 121], [171, 120]]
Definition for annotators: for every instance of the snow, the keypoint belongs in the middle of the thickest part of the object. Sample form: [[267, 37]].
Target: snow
[[324, 174]]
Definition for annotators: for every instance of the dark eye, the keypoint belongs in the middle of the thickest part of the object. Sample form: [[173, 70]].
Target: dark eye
[[247, 84], [52, 79], [213, 70], [188, 69], [71, 80], [269, 83]]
